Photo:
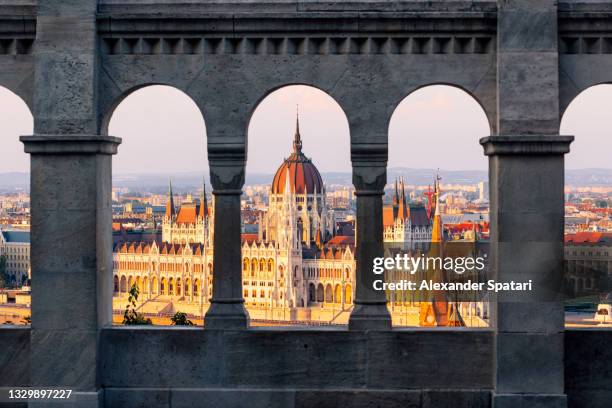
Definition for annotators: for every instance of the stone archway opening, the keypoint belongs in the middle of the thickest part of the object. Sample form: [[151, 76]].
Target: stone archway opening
[[588, 204], [15, 273], [436, 196], [298, 191], [161, 192]]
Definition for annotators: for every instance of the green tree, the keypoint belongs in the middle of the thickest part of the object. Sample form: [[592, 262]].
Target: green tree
[[131, 316], [180, 319]]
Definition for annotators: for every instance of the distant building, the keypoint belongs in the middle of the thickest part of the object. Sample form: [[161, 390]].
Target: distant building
[[409, 226], [293, 259], [15, 246], [588, 263]]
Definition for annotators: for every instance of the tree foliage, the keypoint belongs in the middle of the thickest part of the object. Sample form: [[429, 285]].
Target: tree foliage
[[180, 319], [131, 316]]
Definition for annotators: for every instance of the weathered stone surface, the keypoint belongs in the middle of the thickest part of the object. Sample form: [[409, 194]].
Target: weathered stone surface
[[137, 397], [430, 359], [529, 363], [232, 398], [512, 56], [588, 373], [358, 399], [456, 399], [529, 401], [14, 357]]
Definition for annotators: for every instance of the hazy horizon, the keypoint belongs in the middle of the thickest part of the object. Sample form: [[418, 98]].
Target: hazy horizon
[[157, 123]]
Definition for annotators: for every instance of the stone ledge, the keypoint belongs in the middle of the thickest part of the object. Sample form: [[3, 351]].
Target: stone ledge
[[529, 401], [529, 145], [70, 144]]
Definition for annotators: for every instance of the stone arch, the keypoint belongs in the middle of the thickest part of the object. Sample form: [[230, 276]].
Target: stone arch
[[297, 89], [145, 285], [115, 283], [16, 119], [413, 111], [320, 293], [109, 105], [270, 265], [487, 107], [329, 293], [130, 283], [171, 286], [178, 287], [164, 286], [591, 105], [245, 264]]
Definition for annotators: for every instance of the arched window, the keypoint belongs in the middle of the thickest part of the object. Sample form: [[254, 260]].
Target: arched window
[[311, 293], [348, 294], [320, 293]]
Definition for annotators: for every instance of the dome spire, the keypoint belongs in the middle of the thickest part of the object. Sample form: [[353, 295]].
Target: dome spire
[[297, 139]]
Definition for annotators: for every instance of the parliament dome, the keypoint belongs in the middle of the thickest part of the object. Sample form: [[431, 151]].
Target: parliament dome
[[304, 178]]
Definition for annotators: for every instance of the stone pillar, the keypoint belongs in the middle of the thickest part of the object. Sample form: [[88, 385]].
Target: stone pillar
[[71, 205], [369, 177], [526, 173], [227, 309], [527, 244], [72, 280]]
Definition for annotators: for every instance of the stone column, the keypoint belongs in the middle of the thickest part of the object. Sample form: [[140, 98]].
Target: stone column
[[71, 204], [227, 309], [72, 281], [526, 173], [527, 178], [369, 178]]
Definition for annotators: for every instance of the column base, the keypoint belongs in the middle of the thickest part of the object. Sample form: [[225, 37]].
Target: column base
[[221, 316], [529, 401], [370, 317]]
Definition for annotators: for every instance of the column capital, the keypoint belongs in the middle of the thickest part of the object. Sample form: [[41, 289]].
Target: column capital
[[526, 145], [369, 168], [70, 144], [227, 166]]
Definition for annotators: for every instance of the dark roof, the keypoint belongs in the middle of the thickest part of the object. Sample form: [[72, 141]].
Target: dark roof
[[16, 236], [418, 216]]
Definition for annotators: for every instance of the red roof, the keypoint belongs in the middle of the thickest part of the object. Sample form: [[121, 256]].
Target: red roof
[[304, 178], [341, 240], [588, 237], [187, 215], [249, 237], [388, 216]]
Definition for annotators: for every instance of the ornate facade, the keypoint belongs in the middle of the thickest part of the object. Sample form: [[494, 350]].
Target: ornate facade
[[407, 225], [294, 261]]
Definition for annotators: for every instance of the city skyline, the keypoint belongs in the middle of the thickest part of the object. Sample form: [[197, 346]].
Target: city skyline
[[145, 123]]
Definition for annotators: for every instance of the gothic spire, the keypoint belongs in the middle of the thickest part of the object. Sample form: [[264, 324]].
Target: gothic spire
[[170, 212], [436, 233], [297, 138], [203, 203]]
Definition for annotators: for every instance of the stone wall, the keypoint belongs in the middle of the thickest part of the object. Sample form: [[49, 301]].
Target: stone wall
[[523, 61]]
